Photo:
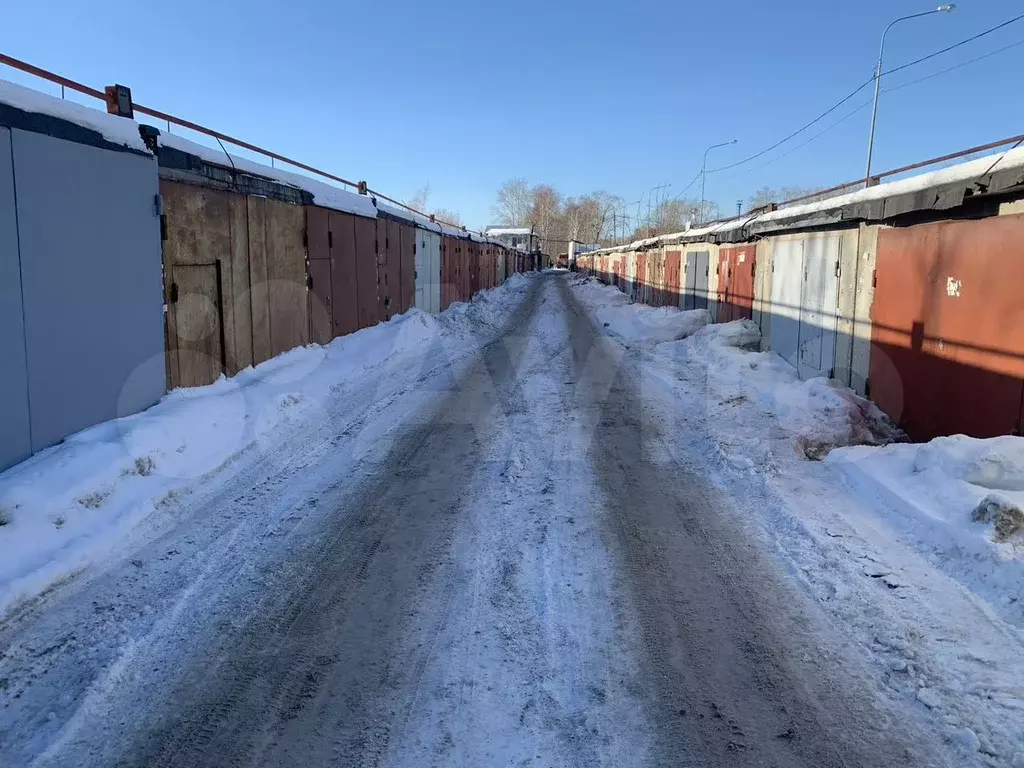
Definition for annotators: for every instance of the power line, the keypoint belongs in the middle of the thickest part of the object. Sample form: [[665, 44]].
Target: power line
[[797, 132], [867, 103], [687, 187], [955, 66], [955, 45], [861, 87]]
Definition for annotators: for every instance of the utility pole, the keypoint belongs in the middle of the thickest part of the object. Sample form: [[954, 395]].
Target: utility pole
[[704, 173], [878, 80], [739, 207]]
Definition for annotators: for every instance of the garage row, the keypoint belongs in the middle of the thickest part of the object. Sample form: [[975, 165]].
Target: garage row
[[133, 262], [920, 310]]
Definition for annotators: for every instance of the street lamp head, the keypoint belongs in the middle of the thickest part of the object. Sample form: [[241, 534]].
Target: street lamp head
[[946, 8]]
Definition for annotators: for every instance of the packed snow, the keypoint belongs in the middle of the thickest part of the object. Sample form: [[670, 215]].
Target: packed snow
[[71, 504], [916, 551]]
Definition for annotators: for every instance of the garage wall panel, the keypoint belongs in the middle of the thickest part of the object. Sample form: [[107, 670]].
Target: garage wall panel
[[91, 275], [367, 289], [948, 327], [344, 274], [407, 268], [15, 434], [787, 287], [318, 252]]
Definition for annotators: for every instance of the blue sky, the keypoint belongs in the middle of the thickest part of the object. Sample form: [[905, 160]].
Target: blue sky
[[581, 95]]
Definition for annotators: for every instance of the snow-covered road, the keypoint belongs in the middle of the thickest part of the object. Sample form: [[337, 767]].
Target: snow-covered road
[[521, 545]]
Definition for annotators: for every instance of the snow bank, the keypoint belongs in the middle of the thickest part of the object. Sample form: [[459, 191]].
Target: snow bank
[[959, 498], [117, 130], [630, 322], [71, 504]]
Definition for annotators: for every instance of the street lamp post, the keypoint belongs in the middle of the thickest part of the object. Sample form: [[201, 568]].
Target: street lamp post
[[878, 78], [704, 173]]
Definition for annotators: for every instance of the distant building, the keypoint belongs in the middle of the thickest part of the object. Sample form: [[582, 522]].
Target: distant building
[[523, 238], [576, 249]]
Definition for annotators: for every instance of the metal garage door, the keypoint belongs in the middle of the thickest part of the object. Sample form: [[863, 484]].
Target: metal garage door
[[787, 286], [15, 438], [697, 265], [82, 286], [819, 299], [947, 351]]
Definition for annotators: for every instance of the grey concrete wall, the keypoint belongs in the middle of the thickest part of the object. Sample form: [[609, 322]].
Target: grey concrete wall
[[15, 435], [90, 288]]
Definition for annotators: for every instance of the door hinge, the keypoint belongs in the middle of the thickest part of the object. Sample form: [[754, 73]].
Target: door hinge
[[158, 205], [330, 238], [305, 238], [837, 268], [874, 278], [174, 293], [163, 226], [309, 282]]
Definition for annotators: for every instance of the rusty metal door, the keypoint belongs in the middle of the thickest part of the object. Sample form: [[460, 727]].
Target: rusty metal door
[[474, 268], [393, 269], [673, 260], [736, 283], [741, 282], [723, 313], [466, 266], [318, 267], [641, 277], [366, 271], [344, 273], [947, 351], [407, 268], [197, 317]]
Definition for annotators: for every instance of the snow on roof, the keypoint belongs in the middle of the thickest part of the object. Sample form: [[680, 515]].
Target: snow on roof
[[961, 172], [327, 195], [497, 231], [116, 130]]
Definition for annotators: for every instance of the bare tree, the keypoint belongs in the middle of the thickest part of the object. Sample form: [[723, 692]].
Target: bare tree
[[446, 215], [419, 199], [766, 195], [546, 216], [514, 203]]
